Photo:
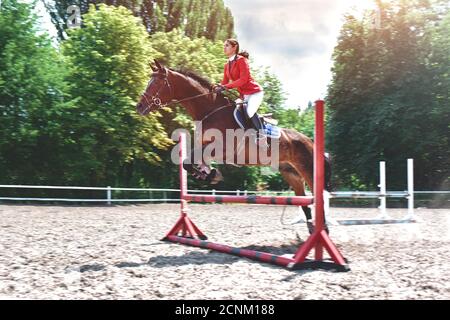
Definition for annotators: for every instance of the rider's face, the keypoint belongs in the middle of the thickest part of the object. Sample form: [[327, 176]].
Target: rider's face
[[228, 49]]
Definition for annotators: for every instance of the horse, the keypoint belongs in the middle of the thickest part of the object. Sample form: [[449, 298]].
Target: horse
[[168, 87]]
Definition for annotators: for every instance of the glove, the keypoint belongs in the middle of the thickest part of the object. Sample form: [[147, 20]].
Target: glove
[[219, 88]]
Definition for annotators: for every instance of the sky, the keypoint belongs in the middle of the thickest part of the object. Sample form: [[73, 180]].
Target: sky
[[295, 38]]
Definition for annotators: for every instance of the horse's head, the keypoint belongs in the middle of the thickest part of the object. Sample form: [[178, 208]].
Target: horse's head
[[158, 92]]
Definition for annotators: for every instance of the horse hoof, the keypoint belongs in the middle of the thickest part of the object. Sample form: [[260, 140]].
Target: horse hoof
[[311, 228], [215, 177], [200, 177]]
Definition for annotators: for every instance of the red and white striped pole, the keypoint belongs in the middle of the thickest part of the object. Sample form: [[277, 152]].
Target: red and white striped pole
[[319, 239], [183, 173], [319, 175]]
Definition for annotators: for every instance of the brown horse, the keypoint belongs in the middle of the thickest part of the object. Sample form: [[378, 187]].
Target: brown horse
[[215, 111]]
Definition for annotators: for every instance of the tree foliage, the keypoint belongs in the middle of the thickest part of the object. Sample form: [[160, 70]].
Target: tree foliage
[[109, 66], [196, 18], [385, 96], [32, 100]]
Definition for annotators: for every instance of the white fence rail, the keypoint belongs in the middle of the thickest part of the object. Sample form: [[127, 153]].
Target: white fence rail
[[109, 194]]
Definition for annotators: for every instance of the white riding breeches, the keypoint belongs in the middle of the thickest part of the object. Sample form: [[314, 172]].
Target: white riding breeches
[[253, 102]]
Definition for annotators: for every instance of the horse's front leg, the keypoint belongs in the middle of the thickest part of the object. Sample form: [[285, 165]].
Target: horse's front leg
[[198, 171], [214, 175], [202, 170]]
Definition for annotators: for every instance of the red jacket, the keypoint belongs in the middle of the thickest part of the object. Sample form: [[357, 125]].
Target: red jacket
[[240, 77]]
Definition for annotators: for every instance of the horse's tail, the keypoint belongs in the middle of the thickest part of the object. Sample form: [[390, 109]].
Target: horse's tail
[[328, 186]]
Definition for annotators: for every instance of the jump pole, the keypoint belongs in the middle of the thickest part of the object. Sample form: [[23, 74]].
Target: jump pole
[[410, 189], [382, 186], [409, 217], [187, 233]]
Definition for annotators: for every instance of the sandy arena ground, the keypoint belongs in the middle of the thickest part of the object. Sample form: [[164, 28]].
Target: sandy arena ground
[[71, 252]]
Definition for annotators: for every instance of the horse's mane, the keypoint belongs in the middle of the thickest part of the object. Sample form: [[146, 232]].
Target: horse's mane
[[220, 98], [203, 81]]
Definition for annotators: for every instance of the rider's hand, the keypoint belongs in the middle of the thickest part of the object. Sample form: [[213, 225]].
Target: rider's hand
[[219, 88]]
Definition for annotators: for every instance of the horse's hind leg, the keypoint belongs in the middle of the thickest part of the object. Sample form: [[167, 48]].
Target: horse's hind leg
[[296, 178], [291, 176], [302, 160]]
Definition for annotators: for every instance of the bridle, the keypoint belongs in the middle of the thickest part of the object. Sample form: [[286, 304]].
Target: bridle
[[155, 100]]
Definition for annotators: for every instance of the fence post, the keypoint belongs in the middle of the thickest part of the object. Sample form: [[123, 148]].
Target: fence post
[[108, 195], [410, 188], [238, 192], [326, 203], [213, 192], [382, 185], [165, 196]]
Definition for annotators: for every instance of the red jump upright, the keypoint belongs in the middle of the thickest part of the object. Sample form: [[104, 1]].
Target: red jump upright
[[187, 233]]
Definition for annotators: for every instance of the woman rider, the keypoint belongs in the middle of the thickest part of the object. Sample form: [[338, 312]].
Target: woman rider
[[236, 74]]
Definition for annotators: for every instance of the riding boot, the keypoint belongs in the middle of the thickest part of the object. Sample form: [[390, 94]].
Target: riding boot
[[257, 125]]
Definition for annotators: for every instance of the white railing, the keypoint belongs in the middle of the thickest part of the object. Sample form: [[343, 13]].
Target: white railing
[[109, 194], [109, 190], [431, 192], [108, 199]]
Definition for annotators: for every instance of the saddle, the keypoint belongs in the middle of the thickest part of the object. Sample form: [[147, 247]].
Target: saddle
[[269, 125]]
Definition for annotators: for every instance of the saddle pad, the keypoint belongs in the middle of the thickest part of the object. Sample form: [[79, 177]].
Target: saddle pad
[[270, 130]]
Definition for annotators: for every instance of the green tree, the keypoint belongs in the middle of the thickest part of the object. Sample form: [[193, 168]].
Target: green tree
[[381, 97], [197, 18], [439, 66], [32, 101], [109, 61], [274, 96]]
